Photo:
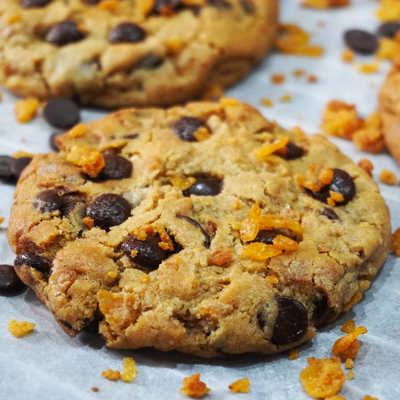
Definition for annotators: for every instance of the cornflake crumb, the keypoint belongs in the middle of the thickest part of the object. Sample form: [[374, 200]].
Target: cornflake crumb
[[278, 79], [312, 79], [272, 279], [368, 397], [388, 49], [298, 72], [350, 375], [349, 363], [389, 11], [193, 387], [335, 397], [90, 159], [19, 329], [108, 4], [240, 386], [130, 370], [111, 374], [367, 68], [2, 220], [387, 177], [95, 389], [366, 165], [322, 378], [20, 154], [221, 257], [348, 346], [349, 326], [324, 4], [293, 354], [286, 98], [347, 56], [25, 109], [226, 101], [77, 130], [266, 102], [396, 242]]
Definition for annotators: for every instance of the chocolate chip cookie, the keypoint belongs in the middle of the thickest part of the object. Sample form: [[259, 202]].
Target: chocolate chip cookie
[[115, 53], [203, 228]]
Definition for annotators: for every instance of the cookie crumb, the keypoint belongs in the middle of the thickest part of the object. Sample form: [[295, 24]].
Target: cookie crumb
[[240, 386], [111, 374], [266, 102], [387, 177], [347, 56], [350, 375], [278, 79], [95, 389], [293, 354], [349, 326], [25, 109], [349, 363], [396, 242], [130, 370], [20, 329], [193, 387], [366, 165]]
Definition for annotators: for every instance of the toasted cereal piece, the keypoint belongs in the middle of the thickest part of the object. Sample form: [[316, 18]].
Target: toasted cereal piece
[[20, 329], [325, 4], [25, 109], [366, 165], [111, 374], [240, 386], [349, 363], [278, 79], [396, 242], [194, 387], [347, 345], [387, 177], [347, 56], [293, 354], [350, 375], [349, 326], [130, 370]]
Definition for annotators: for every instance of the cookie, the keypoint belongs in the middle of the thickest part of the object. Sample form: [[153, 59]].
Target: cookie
[[205, 228], [131, 52]]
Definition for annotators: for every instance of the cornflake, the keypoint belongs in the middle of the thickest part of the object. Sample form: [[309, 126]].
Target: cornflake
[[396, 242], [130, 370], [348, 345], [192, 386], [349, 326], [368, 397], [19, 329], [350, 375], [389, 10], [269, 148], [349, 363], [316, 178], [240, 386], [90, 159], [266, 102], [366, 165], [25, 109], [335, 397], [111, 374], [278, 79], [388, 49], [324, 4], [322, 378], [293, 354], [387, 177]]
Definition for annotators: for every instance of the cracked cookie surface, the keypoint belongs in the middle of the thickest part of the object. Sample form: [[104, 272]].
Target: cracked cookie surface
[[116, 53], [203, 228]]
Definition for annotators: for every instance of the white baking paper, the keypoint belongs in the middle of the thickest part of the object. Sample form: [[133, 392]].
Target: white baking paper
[[48, 365]]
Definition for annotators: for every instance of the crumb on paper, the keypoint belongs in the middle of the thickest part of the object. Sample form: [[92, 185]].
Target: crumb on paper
[[349, 326], [298, 72], [286, 98], [111, 374], [266, 102], [366, 165], [20, 329], [350, 375], [349, 363], [348, 346], [277, 79], [335, 397], [312, 79], [347, 56], [396, 242], [368, 397], [194, 387], [240, 386], [323, 377], [325, 4], [293, 354], [95, 389], [25, 109], [130, 370], [368, 68], [387, 177], [2, 220]]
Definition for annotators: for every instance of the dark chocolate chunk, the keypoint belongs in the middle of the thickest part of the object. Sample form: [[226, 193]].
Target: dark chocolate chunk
[[116, 167], [61, 113], [72, 202], [126, 32], [52, 141], [149, 62], [360, 41], [161, 5], [248, 6], [132, 136], [5, 167], [207, 240], [149, 253], [321, 306], [389, 29], [186, 127], [18, 165], [221, 4], [34, 261], [341, 183], [63, 33], [266, 237], [291, 323], [48, 201], [34, 3], [109, 210], [293, 151], [204, 187], [10, 283], [330, 213]]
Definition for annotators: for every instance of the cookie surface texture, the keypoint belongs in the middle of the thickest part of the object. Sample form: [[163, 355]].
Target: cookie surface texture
[[115, 53], [188, 229]]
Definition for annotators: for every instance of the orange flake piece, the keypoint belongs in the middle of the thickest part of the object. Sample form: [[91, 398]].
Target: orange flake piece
[[108, 4], [1, 220], [226, 101], [221, 257], [13, 18], [368, 68], [277, 79], [347, 56], [312, 79], [25, 109], [389, 10], [293, 354], [89, 222], [112, 274], [19, 329], [111, 374], [202, 134], [335, 397], [236, 204], [350, 375], [348, 343], [334, 198], [240, 386], [90, 159], [77, 130], [269, 148], [268, 221], [261, 251], [286, 98], [316, 178], [213, 92], [366, 165], [20, 154], [322, 378], [194, 387], [174, 45], [272, 279], [194, 3], [144, 278], [298, 72], [368, 397], [130, 370], [284, 243], [349, 363], [387, 177], [95, 389], [349, 326], [396, 242], [353, 301], [266, 102], [325, 4], [250, 226], [388, 49], [182, 183]]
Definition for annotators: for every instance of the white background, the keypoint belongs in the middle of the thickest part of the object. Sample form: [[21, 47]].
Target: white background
[[49, 365]]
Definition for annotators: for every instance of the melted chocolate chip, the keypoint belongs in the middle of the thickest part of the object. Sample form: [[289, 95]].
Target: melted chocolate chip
[[321, 306], [126, 32], [72, 202], [341, 183], [10, 284], [149, 62], [204, 187], [18, 165], [221, 4], [109, 210], [389, 29], [52, 141], [5, 167], [293, 151], [330, 213], [116, 167], [186, 127], [360, 41], [48, 201], [161, 5], [248, 6], [63, 33], [266, 237], [291, 323], [132, 136], [207, 240], [34, 261], [91, 325], [61, 113], [149, 253], [34, 3]]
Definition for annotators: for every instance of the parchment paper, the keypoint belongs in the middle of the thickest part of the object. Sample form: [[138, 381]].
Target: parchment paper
[[48, 365]]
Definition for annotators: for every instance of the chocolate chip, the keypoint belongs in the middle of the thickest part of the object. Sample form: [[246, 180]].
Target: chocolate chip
[[34, 3], [161, 5], [330, 213], [221, 4], [116, 167], [360, 41], [10, 283], [341, 183], [389, 29], [126, 32], [207, 240], [72, 202], [48, 201], [248, 6], [291, 323], [149, 253], [204, 187], [186, 127], [18, 165], [293, 151], [92, 2], [52, 141], [132, 136], [149, 62], [5, 167], [109, 210], [61, 113], [321, 306], [34, 261], [63, 33], [266, 237]]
